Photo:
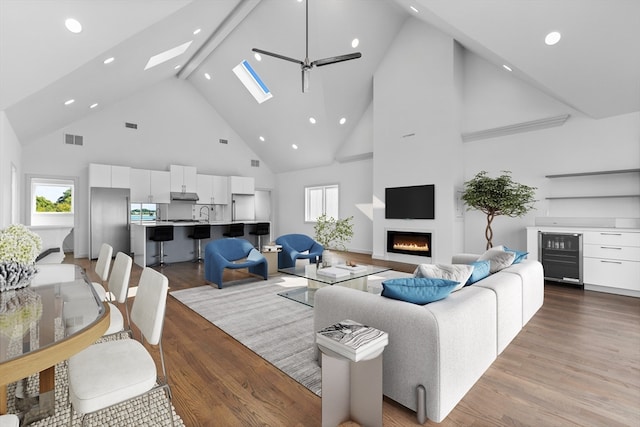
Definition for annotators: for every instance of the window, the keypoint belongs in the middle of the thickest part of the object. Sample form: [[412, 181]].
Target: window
[[53, 196], [319, 200]]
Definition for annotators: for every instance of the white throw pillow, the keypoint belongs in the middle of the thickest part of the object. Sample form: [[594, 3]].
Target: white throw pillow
[[498, 258], [457, 272]]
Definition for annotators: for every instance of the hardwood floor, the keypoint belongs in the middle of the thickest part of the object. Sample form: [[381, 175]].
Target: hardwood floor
[[576, 363]]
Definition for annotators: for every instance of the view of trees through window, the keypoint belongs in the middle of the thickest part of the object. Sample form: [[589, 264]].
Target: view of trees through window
[[52, 198]]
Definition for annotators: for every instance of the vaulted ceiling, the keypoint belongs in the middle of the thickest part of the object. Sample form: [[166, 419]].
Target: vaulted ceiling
[[595, 68]]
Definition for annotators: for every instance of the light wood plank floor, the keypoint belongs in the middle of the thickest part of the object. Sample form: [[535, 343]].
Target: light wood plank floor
[[576, 363]]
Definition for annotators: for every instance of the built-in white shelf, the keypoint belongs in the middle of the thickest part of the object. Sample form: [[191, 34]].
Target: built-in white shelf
[[627, 185]]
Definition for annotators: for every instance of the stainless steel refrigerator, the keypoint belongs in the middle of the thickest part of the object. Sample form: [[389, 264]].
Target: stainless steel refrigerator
[[243, 207], [110, 220]]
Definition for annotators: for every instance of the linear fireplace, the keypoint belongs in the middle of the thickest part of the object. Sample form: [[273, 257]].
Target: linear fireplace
[[409, 243]]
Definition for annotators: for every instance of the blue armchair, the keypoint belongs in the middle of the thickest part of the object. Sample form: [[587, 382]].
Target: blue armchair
[[220, 254], [292, 247]]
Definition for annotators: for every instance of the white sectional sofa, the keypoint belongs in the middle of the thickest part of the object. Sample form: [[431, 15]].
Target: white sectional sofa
[[438, 351]]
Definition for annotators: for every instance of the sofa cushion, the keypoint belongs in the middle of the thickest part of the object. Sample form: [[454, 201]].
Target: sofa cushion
[[498, 259], [519, 255], [457, 272], [481, 269], [418, 290]]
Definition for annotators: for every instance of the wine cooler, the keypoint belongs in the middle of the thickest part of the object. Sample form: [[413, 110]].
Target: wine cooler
[[561, 256]]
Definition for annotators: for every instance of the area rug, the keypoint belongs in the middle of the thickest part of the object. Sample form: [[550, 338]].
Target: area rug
[[149, 412], [276, 328]]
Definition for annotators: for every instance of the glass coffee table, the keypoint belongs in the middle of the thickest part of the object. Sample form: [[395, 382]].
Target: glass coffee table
[[356, 279]]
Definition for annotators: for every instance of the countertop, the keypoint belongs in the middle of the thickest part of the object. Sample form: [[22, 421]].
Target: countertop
[[190, 223]]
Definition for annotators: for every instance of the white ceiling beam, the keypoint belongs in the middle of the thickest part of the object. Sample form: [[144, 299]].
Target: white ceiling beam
[[234, 18]]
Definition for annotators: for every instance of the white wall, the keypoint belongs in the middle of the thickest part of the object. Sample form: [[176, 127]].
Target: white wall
[[416, 134], [10, 154], [354, 179], [492, 97], [175, 126]]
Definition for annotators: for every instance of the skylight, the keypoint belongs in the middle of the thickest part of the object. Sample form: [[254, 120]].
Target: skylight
[[167, 55]]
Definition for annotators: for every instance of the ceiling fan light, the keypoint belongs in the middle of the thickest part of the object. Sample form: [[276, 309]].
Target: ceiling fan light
[[305, 80], [252, 81]]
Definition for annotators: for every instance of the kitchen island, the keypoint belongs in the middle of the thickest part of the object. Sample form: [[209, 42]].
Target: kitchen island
[[182, 248]]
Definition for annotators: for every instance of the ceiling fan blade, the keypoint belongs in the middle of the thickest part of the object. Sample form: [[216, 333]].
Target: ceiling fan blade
[[335, 59], [277, 55]]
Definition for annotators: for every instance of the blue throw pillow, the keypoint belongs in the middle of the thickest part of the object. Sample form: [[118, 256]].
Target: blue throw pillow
[[520, 255], [417, 290], [480, 271]]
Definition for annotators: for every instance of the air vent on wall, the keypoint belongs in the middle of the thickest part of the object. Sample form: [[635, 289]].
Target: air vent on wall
[[223, 141], [73, 139], [130, 125], [255, 163]]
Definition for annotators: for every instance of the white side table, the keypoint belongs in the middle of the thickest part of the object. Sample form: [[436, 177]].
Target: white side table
[[351, 391]]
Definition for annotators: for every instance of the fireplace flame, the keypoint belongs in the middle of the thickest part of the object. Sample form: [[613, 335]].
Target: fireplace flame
[[411, 247]]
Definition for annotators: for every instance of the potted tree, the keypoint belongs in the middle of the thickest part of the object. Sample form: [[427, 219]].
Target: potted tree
[[332, 233], [497, 196]]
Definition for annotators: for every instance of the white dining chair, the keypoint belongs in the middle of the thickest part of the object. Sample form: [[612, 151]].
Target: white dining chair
[[112, 372], [102, 269], [9, 420], [119, 287]]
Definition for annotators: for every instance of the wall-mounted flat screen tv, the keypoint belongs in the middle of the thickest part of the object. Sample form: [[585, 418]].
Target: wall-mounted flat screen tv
[[414, 202]]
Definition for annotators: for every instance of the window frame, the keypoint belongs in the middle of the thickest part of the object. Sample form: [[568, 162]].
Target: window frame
[[308, 217]]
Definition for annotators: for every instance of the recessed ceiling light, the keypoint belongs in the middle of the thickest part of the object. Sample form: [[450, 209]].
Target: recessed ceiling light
[[196, 31], [413, 8], [355, 43], [207, 76], [69, 101], [343, 120], [312, 120], [552, 38], [94, 105], [73, 25], [109, 60], [176, 67], [294, 146], [262, 138], [167, 55], [257, 56], [506, 67]]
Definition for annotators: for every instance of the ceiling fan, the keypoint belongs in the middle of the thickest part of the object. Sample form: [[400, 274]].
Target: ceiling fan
[[307, 65]]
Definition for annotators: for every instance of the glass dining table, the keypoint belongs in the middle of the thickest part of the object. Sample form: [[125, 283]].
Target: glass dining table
[[56, 316]]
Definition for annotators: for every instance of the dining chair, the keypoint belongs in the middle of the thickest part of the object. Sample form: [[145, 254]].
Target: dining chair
[[119, 288], [102, 269], [112, 372], [9, 420]]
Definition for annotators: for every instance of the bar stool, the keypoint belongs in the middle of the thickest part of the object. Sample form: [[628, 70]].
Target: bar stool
[[200, 231], [161, 234], [235, 230], [262, 229]]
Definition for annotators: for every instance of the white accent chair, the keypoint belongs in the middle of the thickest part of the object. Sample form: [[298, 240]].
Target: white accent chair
[[102, 269], [119, 287], [112, 372]]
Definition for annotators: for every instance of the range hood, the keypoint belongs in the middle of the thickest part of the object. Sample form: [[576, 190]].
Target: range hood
[[184, 197]]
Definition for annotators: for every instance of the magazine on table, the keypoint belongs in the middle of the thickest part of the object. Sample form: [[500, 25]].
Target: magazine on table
[[352, 339]]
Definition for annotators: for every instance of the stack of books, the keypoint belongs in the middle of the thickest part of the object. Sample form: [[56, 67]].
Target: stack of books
[[352, 340], [333, 272], [353, 268]]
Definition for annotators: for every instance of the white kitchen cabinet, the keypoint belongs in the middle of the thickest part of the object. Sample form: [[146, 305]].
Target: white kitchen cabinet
[[212, 189], [183, 178], [241, 185], [612, 260], [109, 176], [148, 186], [220, 190]]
